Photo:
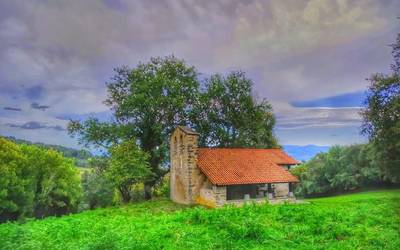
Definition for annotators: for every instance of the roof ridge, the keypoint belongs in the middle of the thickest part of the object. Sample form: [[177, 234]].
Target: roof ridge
[[187, 130]]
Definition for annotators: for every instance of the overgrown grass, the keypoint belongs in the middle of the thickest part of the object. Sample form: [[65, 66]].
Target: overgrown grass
[[369, 220]]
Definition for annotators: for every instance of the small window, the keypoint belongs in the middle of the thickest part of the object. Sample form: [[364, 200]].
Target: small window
[[181, 145], [175, 146]]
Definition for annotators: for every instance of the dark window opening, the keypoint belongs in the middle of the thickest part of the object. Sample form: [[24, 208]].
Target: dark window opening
[[237, 192], [181, 145], [175, 146]]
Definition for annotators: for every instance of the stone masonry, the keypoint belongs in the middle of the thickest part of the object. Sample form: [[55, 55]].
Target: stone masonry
[[186, 178], [188, 184]]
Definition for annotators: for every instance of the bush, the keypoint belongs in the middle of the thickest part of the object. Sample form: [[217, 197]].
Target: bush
[[36, 182], [16, 196], [162, 189], [97, 190], [128, 166], [340, 169]]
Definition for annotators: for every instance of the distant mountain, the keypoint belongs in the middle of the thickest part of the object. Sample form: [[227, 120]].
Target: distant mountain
[[301, 153], [304, 153], [80, 155]]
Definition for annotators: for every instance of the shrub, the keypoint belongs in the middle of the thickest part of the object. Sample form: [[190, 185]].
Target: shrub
[[16, 196], [162, 189], [97, 190], [338, 170], [36, 182], [128, 166]]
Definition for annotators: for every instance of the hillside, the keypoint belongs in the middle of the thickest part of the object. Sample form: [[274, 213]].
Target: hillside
[[80, 155], [369, 220]]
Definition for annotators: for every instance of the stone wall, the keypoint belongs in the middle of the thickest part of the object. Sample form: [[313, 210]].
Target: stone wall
[[186, 177], [188, 184], [212, 195], [281, 189], [220, 195]]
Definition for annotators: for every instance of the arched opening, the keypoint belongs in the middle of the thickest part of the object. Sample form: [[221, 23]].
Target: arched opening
[[180, 153], [175, 146], [181, 145]]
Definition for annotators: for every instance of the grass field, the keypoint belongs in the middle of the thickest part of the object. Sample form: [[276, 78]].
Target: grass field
[[369, 220]]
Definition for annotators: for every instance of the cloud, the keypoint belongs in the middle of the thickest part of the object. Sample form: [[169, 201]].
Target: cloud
[[321, 136], [12, 109], [33, 125], [101, 116], [68, 54], [35, 92], [320, 126], [298, 118], [282, 29], [61, 52], [38, 106]]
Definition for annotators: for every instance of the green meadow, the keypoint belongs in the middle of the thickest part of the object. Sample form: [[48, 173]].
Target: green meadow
[[367, 220]]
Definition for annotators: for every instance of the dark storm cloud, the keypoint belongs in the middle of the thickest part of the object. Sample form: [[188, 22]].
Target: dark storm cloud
[[33, 125], [36, 105], [12, 109]]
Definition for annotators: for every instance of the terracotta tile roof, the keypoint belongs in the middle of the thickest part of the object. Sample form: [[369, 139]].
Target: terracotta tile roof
[[230, 166], [279, 156]]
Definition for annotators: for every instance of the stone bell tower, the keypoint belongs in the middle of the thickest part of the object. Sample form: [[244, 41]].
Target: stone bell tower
[[185, 176]]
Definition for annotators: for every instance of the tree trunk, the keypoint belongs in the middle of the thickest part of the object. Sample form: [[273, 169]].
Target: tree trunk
[[125, 194], [147, 191]]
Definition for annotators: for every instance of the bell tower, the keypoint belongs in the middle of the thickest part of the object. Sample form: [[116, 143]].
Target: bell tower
[[183, 154]]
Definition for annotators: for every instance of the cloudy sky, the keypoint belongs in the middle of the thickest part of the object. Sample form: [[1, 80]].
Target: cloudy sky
[[310, 58]]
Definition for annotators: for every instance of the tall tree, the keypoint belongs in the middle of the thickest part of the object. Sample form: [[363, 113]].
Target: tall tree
[[396, 55], [148, 102], [228, 115], [16, 195], [35, 181], [382, 117], [98, 191], [128, 165], [56, 181]]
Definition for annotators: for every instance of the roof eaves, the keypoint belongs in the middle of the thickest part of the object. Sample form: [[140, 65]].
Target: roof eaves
[[188, 130]]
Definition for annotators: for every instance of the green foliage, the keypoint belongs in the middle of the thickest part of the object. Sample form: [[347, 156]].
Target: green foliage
[[81, 156], [382, 117], [396, 55], [338, 170], [367, 220], [56, 182], [162, 189], [128, 165], [382, 122], [148, 101], [36, 182], [227, 115], [97, 190], [16, 198]]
